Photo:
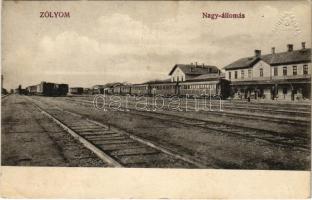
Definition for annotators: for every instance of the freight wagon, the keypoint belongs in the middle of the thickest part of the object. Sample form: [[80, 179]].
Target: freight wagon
[[76, 90], [48, 89]]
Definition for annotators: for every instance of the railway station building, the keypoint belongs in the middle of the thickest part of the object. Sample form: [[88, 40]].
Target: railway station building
[[185, 72], [276, 76]]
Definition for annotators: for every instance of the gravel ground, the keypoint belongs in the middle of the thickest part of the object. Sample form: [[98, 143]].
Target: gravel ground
[[28, 138], [216, 149]]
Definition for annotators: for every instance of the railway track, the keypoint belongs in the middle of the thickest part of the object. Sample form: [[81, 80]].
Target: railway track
[[257, 106], [256, 113], [285, 120], [299, 143], [114, 146], [4, 96]]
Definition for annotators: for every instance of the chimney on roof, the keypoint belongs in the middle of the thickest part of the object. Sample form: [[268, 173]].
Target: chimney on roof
[[273, 50], [303, 45], [195, 64], [257, 53], [290, 47]]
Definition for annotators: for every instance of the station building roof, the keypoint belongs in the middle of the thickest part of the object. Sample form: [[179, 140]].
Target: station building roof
[[283, 58], [194, 69]]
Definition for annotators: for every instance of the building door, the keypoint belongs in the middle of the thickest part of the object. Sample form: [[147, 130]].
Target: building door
[[274, 91], [306, 91], [284, 92]]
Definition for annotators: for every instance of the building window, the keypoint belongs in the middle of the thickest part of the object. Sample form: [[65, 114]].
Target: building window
[[305, 69], [177, 79], [242, 74], [235, 75], [294, 70], [181, 78], [275, 71], [230, 75], [249, 73], [261, 72], [173, 79], [284, 71]]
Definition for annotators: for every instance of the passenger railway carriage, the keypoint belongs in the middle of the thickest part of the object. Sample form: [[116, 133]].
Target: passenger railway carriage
[[216, 87], [205, 85], [125, 89], [165, 89], [140, 89]]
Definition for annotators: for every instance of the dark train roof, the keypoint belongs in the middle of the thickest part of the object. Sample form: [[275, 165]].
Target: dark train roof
[[206, 76], [288, 57], [158, 81], [191, 69]]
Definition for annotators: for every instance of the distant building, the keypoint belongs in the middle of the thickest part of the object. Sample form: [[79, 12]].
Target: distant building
[[283, 76], [184, 72]]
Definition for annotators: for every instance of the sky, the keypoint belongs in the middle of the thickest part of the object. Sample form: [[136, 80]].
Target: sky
[[137, 41]]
